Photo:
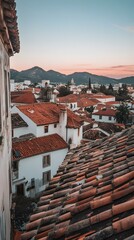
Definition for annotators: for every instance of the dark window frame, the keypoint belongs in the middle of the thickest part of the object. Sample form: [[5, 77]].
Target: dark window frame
[[46, 177], [46, 128], [46, 161]]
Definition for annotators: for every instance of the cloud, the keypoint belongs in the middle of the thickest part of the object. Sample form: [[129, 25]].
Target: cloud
[[125, 28]]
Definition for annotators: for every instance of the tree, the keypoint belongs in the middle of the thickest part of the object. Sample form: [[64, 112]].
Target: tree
[[102, 88], [122, 93], [64, 91], [89, 84], [122, 113], [110, 88], [89, 109]]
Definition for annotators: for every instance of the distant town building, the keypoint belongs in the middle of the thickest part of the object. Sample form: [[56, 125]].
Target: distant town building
[[27, 82], [12, 85], [104, 115]]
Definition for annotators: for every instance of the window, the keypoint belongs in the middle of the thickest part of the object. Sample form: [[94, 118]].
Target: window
[[46, 177], [45, 128], [55, 125], [46, 161], [100, 117], [110, 118]]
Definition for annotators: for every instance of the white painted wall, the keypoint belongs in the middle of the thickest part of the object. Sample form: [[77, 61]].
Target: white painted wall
[[75, 135], [104, 119], [17, 132], [62, 124], [112, 98], [5, 147], [32, 168], [51, 130]]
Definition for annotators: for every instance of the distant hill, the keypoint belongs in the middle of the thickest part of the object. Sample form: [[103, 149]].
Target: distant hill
[[127, 80], [37, 74]]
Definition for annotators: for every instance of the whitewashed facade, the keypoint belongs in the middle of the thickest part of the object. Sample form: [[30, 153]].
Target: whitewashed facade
[[5, 146], [9, 43], [105, 98], [29, 174], [60, 128], [101, 118]]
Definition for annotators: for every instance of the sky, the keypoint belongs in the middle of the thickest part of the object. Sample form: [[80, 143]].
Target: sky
[[67, 36]]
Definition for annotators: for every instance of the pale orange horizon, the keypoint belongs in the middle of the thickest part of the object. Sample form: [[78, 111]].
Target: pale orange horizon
[[119, 71]]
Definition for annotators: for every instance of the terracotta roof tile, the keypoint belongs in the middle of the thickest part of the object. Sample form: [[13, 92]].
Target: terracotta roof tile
[[92, 195], [10, 18], [37, 146], [23, 97], [48, 113], [107, 112]]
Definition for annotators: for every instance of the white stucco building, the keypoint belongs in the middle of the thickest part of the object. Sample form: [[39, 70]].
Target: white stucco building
[[35, 162], [105, 115], [44, 119], [9, 44]]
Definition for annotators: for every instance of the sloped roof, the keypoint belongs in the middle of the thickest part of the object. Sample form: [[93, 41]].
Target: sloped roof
[[17, 121], [48, 113], [92, 195], [113, 103], [37, 146], [105, 112], [83, 100], [73, 120], [22, 97], [9, 19]]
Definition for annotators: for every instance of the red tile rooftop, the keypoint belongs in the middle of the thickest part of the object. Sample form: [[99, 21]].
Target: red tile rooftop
[[76, 97], [48, 113], [37, 146], [105, 112], [25, 97], [92, 194]]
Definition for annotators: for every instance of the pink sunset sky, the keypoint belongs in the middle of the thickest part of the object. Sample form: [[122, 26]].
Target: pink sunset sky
[[95, 36]]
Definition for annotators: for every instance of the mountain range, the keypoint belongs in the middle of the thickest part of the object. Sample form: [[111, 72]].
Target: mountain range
[[37, 74]]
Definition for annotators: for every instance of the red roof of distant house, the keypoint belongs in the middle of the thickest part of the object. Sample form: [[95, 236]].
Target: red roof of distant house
[[73, 120], [107, 112], [22, 97], [33, 89], [37, 146], [113, 103], [83, 100], [48, 113]]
